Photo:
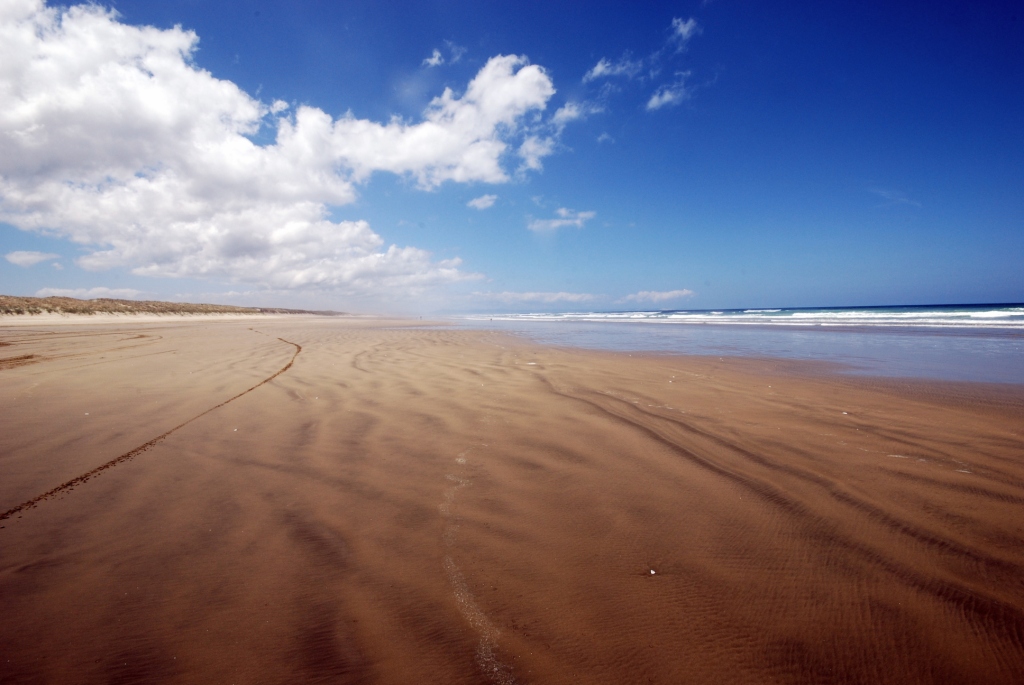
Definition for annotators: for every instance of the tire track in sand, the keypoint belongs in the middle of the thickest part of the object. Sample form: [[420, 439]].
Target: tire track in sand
[[493, 669], [127, 456]]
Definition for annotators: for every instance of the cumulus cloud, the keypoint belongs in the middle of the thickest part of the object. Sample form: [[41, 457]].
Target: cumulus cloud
[[482, 202], [657, 295], [111, 137], [29, 258], [670, 94], [90, 293], [547, 298], [566, 218], [623, 67]]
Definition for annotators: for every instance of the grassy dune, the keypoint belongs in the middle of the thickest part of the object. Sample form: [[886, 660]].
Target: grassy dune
[[10, 304]]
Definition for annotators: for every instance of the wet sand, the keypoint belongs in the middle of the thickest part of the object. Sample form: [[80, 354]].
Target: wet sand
[[303, 500]]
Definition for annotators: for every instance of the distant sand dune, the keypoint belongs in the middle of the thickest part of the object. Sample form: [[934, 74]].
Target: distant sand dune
[[302, 499], [11, 305]]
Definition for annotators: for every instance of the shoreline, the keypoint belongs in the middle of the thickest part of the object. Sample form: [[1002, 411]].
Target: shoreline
[[952, 354], [1010, 392], [795, 366]]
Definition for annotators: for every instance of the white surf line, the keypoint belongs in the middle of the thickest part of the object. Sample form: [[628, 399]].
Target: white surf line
[[492, 667]]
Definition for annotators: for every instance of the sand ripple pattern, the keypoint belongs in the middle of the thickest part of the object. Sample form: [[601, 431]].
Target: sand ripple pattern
[[445, 506], [131, 454]]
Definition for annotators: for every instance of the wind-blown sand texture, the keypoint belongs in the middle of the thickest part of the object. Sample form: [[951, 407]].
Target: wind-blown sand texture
[[327, 500]]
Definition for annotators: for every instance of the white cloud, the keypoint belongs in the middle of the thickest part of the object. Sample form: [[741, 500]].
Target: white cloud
[[28, 258], [435, 59], [605, 68], [649, 68], [605, 138], [657, 295], [455, 51], [482, 202], [533, 150], [573, 111], [670, 94], [90, 293], [111, 137], [511, 297], [566, 217], [570, 111], [462, 138], [683, 31]]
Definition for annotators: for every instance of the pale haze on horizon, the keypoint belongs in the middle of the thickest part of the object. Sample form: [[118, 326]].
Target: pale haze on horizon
[[440, 158]]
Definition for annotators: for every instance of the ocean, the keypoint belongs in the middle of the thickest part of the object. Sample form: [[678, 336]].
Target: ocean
[[981, 343]]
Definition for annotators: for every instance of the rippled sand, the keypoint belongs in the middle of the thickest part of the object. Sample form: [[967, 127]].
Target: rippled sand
[[324, 500]]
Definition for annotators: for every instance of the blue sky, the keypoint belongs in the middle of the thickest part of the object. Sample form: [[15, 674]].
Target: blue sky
[[678, 155]]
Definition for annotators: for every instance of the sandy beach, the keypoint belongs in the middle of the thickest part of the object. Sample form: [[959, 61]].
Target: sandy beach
[[313, 500]]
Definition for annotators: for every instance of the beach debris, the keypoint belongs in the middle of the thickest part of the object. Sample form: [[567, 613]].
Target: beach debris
[[86, 413], [845, 412], [652, 571]]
